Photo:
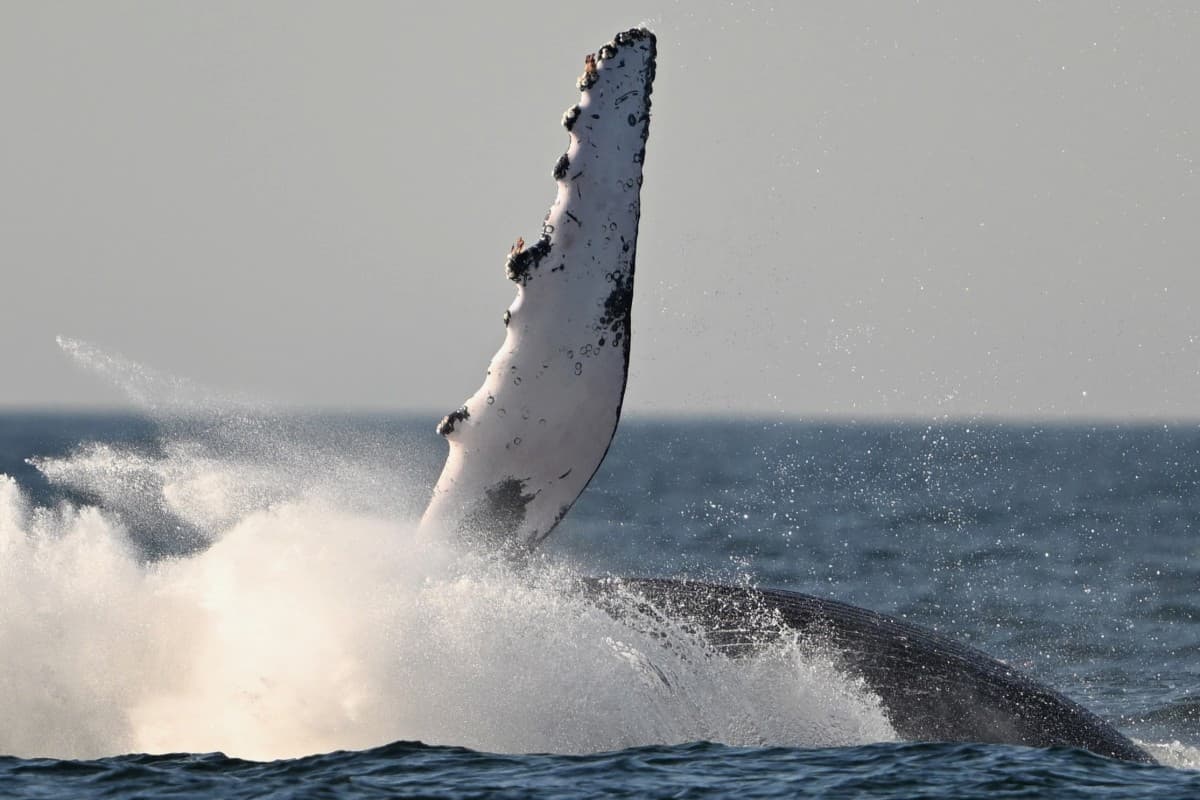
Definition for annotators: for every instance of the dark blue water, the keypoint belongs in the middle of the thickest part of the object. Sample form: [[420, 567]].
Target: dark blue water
[[701, 769], [1069, 551]]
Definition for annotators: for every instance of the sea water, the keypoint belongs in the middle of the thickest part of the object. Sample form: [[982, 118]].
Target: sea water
[[234, 603]]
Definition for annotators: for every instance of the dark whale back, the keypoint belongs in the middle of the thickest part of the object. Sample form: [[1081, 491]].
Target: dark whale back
[[932, 688]]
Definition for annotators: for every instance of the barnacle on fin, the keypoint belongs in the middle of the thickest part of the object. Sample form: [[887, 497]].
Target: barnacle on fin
[[522, 260], [560, 167], [569, 117], [446, 426], [590, 75]]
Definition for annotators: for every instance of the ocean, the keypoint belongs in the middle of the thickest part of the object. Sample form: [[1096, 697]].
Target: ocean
[[237, 604]]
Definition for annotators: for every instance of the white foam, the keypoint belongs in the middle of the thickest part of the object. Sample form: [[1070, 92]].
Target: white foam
[[306, 627], [309, 614], [1173, 754]]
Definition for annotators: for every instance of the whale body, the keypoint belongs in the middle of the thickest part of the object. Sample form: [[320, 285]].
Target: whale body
[[526, 444], [931, 687]]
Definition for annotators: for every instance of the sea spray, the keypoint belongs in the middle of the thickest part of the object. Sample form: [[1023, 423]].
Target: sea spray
[[305, 628], [256, 584]]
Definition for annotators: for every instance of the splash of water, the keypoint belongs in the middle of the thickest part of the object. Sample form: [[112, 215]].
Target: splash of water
[[305, 628], [1174, 754], [236, 589]]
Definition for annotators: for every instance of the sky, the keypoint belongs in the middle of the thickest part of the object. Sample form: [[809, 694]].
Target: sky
[[869, 210]]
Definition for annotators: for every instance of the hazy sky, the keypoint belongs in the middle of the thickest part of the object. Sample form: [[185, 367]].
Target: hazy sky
[[860, 209]]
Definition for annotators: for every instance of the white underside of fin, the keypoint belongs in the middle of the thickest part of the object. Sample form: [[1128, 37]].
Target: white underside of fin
[[525, 445]]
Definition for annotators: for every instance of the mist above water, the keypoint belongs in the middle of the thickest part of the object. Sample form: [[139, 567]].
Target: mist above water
[[235, 588]]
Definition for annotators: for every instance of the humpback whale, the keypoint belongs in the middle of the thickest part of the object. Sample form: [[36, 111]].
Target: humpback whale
[[526, 444]]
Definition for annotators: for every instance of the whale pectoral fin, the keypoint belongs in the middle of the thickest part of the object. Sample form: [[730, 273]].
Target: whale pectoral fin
[[525, 445]]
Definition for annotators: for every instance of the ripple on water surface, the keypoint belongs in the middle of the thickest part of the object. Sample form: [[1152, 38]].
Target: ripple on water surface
[[404, 769]]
